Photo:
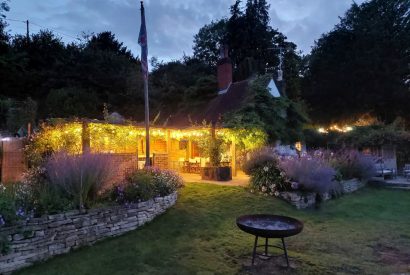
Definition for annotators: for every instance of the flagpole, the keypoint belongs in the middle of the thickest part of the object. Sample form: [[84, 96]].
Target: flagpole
[[142, 40], [147, 147]]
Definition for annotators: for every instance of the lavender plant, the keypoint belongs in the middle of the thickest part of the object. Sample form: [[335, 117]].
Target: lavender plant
[[80, 177], [353, 164], [311, 174]]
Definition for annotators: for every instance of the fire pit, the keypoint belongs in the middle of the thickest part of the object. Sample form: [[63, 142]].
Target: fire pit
[[269, 226]]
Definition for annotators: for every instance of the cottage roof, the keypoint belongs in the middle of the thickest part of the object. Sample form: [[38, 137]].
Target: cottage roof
[[227, 101]]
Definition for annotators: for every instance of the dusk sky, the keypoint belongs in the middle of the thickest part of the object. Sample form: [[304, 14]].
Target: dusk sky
[[171, 24]]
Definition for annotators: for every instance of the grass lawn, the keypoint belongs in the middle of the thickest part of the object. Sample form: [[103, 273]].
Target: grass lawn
[[367, 232]]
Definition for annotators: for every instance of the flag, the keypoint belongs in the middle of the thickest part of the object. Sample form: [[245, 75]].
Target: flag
[[142, 40]]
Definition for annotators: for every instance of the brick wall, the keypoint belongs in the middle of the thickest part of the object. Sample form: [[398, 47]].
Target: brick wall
[[160, 161], [57, 234], [123, 164]]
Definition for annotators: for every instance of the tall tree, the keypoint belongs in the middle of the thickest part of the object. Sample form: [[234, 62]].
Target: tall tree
[[207, 41], [254, 46], [362, 65]]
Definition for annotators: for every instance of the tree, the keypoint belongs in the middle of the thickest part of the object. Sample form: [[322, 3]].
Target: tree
[[181, 86], [207, 42], [72, 102], [362, 65], [20, 114], [254, 46], [106, 41], [281, 118]]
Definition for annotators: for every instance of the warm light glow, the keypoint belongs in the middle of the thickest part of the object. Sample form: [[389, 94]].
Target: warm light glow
[[124, 139], [335, 128], [298, 146]]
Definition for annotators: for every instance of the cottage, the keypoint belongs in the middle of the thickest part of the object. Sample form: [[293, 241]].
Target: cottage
[[178, 144]]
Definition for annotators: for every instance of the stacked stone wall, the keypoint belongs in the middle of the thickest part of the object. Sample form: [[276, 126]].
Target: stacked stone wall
[[41, 238]]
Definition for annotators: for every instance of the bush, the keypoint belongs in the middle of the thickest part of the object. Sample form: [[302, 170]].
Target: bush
[[143, 185], [79, 177], [259, 158], [7, 207], [13, 207], [165, 181], [39, 195], [311, 174], [266, 176], [352, 164]]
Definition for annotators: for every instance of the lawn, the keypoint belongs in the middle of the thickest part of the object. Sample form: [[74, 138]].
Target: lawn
[[367, 232]]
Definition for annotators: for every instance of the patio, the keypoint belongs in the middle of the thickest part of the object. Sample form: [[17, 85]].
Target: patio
[[241, 179]]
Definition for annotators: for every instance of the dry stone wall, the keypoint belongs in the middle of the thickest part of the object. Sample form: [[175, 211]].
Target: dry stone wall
[[42, 238], [303, 200]]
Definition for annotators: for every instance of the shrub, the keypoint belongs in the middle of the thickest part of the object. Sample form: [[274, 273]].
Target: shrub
[[12, 204], [266, 176], [311, 174], [143, 185], [259, 158], [165, 181], [40, 195], [79, 177], [7, 206], [352, 164], [215, 152]]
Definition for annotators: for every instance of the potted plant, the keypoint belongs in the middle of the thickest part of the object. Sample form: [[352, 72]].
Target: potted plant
[[215, 171]]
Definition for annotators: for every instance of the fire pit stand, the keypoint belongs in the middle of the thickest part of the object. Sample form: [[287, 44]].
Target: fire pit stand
[[268, 227], [265, 256]]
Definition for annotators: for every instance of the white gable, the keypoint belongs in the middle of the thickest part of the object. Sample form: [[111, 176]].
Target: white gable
[[273, 90]]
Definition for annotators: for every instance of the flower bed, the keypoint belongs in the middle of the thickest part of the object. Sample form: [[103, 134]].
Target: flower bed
[[71, 201], [310, 179], [40, 238]]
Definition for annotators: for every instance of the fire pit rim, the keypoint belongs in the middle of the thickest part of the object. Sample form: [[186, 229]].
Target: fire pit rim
[[270, 233]]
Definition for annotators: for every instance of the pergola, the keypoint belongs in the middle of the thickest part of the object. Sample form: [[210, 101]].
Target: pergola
[[171, 147]]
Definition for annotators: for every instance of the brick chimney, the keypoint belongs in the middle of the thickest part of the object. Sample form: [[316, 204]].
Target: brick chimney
[[224, 69]]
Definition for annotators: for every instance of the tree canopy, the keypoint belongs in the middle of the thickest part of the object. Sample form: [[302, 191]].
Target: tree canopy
[[46, 78], [254, 46], [362, 65]]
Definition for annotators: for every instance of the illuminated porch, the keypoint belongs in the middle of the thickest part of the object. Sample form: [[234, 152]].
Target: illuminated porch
[[179, 149]]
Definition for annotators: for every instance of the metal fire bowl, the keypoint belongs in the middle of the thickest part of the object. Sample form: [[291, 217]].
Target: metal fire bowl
[[269, 226]]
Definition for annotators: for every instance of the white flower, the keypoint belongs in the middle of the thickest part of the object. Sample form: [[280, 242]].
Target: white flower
[[266, 168], [276, 193], [264, 189]]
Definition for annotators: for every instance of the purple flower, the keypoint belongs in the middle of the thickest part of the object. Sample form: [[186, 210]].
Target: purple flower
[[294, 185], [20, 212]]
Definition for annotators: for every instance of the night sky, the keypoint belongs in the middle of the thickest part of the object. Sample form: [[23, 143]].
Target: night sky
[[171, 24]]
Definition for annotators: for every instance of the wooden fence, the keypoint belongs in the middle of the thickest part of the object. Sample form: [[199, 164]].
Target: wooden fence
[[13, 163]]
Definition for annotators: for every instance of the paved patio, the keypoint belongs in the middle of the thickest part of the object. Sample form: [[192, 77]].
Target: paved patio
[[397, 182], [240, 180]]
